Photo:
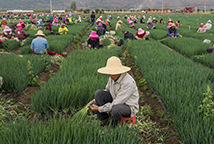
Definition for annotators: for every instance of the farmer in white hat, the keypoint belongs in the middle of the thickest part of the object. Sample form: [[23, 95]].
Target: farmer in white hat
[[120, 97], [39, 45], [141, 34], [208, 25]]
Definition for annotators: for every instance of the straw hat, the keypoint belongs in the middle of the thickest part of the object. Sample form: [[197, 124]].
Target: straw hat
[[173, 25], [114, 66], [120, 21], [39, 33]]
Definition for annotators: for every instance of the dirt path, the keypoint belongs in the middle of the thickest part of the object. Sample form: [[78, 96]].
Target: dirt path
[[148, 97]]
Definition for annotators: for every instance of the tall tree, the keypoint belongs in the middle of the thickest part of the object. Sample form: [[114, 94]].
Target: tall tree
[[73, 5]]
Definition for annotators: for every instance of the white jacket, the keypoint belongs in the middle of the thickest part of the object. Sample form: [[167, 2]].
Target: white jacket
[[123, 91], [208, 26]]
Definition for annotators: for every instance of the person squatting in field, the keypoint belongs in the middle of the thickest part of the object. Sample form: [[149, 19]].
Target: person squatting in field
[[20, 33], [39, 45], [141, 34], [120, 96], [202, 28], [172, 31], [208, 25], [93, 42]]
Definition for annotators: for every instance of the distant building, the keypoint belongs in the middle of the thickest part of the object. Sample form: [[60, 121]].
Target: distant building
[[19, 11], [189, 9]]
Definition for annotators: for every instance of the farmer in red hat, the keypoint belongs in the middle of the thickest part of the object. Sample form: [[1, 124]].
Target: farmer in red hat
[[20, 33], [202, 28]]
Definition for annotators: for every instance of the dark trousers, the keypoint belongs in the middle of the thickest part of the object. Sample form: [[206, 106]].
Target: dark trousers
[[118, 111]]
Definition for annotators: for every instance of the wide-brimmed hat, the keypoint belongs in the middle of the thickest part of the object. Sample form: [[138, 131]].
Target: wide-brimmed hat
[[93, 34], [6, 29], [39, 33], [140, 31], [114, 66], [149, 21], [120, 21], [173, 25], [209, 21], [19, 26]]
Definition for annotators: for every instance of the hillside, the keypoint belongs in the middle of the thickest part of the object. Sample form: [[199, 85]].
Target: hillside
[[106, 4]]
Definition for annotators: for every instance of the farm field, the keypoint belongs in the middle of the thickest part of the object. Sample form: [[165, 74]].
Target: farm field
[[43, 98]]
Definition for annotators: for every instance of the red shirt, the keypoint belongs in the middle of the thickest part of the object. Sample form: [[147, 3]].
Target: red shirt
[[48, 27], [142, 35]]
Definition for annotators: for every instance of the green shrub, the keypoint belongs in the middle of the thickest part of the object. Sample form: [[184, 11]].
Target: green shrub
[[187, 46], [10, 45], [75, 83], [14, 70], [179, 82], [106, 42], [65, 131]]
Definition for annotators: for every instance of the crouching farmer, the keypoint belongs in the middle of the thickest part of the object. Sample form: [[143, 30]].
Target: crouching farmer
[[120, 97]]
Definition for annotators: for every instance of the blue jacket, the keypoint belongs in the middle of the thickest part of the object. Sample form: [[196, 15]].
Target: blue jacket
[[171, 31], [39, 45]]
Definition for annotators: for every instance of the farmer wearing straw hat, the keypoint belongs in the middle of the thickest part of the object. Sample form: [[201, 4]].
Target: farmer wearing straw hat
[[39, 45], [172, 31], [208, 25], [118, 25], [120, 97], [141, 34]]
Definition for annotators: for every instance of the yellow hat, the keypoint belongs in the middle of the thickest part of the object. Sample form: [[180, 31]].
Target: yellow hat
[[173, 25], [39, 33], [120, 21], [114, 66]]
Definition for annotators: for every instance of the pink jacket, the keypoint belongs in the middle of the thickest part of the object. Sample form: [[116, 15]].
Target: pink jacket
[[201, 29]]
